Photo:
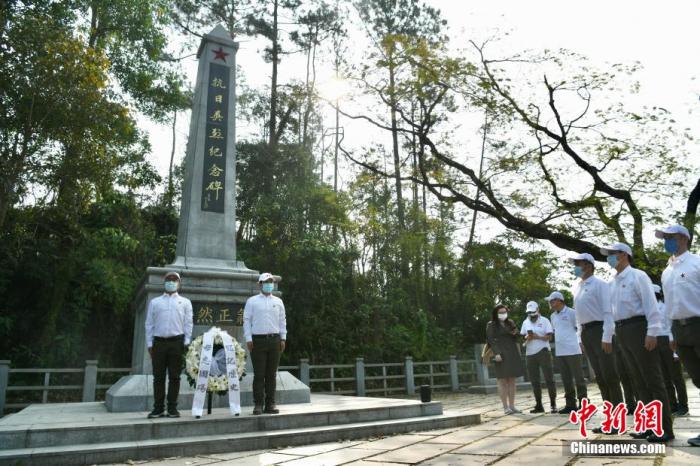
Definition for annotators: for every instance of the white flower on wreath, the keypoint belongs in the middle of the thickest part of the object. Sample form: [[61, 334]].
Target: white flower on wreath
[[194, 354]]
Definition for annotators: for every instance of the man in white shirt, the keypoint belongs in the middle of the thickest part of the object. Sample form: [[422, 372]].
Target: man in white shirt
[[637, 324], [567, 348], [168, 332], [596, 326], [538, 331], [670, 364], [681, 287], [265, 330]]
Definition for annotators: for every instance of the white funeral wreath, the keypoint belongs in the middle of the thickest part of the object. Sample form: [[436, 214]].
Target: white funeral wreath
[[217, 381]]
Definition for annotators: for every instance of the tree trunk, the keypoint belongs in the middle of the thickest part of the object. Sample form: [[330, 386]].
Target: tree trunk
[[5, 193], [395, 141], [307, 107], [273, 85], [170, 194], [478, 191], [691, 209]]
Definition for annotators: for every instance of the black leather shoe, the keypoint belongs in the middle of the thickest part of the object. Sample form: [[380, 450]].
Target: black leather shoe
[[271, 409], [663, 439], [641, 435], [257, 410], [695, 441], [537, 409], [156, 413], [172, 412], [554, 410], [566, 410]]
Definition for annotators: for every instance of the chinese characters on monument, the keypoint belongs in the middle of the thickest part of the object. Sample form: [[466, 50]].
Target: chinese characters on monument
[[217, 314], [213, 182]]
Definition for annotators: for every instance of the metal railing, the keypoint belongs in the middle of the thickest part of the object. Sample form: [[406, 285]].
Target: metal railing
[[56, 385], [64, 385], [386, 378]]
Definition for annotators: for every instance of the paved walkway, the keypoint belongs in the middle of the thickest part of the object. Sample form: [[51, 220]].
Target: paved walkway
[[499, 439]]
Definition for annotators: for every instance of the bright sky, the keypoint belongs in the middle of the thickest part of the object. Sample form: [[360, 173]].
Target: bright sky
[[663, 36]]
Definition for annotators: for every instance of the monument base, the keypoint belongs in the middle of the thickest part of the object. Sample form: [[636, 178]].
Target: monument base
[[217, 299], [135, 393]]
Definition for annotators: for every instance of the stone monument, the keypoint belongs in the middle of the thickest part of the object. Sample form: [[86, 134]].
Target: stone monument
[[212, 277]]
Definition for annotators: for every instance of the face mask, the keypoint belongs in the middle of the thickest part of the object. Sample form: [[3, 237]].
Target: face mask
[[268, 287], [578, 271], [612, 260], [170, 286], [502, 317], [671, 245]]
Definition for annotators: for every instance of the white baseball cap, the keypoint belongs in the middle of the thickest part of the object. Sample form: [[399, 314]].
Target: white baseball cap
[[616, 247], [531, 307], [171, 273], [265, 277], [657, 288], [582, 257], [671, 230], [555, 295]]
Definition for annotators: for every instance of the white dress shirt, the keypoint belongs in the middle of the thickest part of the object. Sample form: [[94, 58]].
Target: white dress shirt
[[541, 327], [666, 329], [592, 304], [168, 316], [631, 295], [264, 315], [681, 285], [566, 338]]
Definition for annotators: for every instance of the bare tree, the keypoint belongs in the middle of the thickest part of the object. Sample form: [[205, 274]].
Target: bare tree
[[575, 179]]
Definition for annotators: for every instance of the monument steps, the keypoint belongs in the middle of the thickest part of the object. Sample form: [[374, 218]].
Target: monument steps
[[103, 437]]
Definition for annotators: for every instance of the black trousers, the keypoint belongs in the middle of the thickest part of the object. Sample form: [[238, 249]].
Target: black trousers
[[688, 342], [644, 367], [541, 360], [570, 370], [673, 375], [167, 357], [604, 366], [631, 395], [265, 357]]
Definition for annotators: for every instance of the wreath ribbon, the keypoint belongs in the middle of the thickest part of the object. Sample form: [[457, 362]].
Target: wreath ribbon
[[205, 360]]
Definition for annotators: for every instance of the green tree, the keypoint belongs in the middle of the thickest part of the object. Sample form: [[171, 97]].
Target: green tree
[[389, 22], [68, 136]]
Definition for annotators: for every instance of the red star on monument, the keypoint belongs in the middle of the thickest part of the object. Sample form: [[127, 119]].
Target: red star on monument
[[220, 54]]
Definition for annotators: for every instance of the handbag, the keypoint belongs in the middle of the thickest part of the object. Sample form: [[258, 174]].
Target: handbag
[[487, 355]]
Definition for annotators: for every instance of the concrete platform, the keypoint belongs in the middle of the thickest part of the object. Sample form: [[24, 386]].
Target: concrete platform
[[135, 393], [499, 440], [86, 433]]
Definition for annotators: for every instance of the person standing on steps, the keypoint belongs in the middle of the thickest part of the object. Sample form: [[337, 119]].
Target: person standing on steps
[[265, 330], [168, 332]]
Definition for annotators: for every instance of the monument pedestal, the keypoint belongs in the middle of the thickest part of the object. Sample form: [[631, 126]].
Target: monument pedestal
[[135, 393], [218, 298]]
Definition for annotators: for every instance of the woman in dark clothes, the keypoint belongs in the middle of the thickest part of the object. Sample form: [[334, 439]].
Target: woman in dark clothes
[[502, 337]]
